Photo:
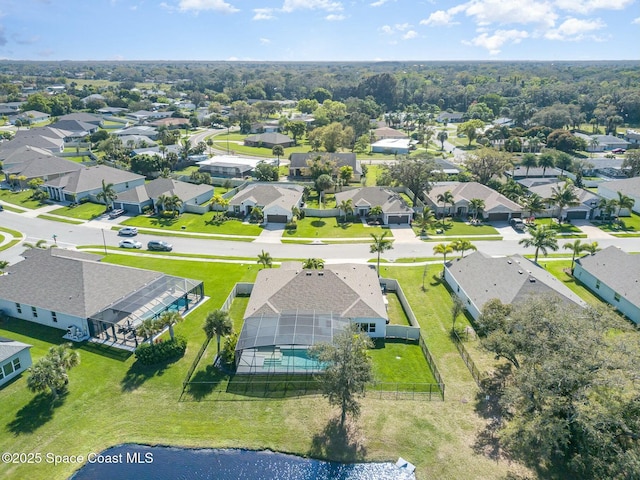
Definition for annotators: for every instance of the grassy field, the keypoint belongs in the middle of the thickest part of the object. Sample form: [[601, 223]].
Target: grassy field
[[112, 399], [84, 211], [331, 227], [458, 227], [193, 222], [22, 198]]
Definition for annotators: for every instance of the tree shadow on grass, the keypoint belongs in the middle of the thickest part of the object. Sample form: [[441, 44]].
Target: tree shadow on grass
[[318, 223], [139, 373], [206, 381], [436, 280], [36, 413], [338, 442], [163, 221]]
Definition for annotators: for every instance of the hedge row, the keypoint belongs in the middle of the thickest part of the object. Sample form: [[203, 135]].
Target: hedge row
[[150, 354]]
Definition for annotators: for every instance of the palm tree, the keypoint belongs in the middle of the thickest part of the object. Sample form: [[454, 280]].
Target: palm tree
[[219, 324], [346, 206], [542, 239], [169, 319], [445, 198], [576, 248], [592, 248], [476, 205], [3, 264], [462, 246], [563, 161], [534, 203], [442, 137], [148, 328], [375, 211], [608, 206], [380, 244], [323, 183], [185, 149], [624, 201], [443, 249], [564, 196], [593, 143], [425, 220], [264, 258], [256, 214], [278, 151], [529, 160], [173, 204], [107, 194], [313, 264], [545, 161], [50, 372], [161, 201]]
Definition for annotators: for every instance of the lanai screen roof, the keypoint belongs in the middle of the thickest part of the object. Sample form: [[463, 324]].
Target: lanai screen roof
[[150, 300], [290, 328]]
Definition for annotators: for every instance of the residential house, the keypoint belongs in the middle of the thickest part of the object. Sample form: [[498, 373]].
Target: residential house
[[299, 163], [629, 187], [446, 167], [587, 207], [276, 201], [143, 130], [10, 157], [503, 122], [632, 136], [396, 146], [497, 207], [602, 143], [76, 293], [15, 358], [172, 123], [38, 137], [136, 199], [383, 133], [86, 182], [83, 117], [137, 141], [219, 168], [268, 140], [291, 309], [265, 127], [394, 209], [108, 111], [77, 129], [450, 117], [519, 172], [44, 167], [478, 278], [614, 276], [93, 97], [33, 116]]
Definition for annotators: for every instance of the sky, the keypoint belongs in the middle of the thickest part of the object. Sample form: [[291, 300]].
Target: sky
[[319, 30]]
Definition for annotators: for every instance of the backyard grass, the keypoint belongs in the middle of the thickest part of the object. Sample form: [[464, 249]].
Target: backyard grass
[[624, 225], [331, 227], [84, 211], [557, 268], [193, 222], [113, 400], [236, 145], [21, 198], [553, 224]]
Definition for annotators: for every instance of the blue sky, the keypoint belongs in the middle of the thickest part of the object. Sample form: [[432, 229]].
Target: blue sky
[[319, 30]]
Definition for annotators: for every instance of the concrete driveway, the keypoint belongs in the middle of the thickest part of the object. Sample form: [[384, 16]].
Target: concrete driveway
[[404, 234]]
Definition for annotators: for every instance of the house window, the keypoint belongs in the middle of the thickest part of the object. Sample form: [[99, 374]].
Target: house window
[[34, 312], [1, 374], [54, 317], [8, 369], [16, 364], [18, 308], [598, 284], [616, 297]]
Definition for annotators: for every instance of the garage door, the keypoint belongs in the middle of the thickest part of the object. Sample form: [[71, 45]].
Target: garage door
[[498, 217], [577, 215], [396, 219], [276, 219]]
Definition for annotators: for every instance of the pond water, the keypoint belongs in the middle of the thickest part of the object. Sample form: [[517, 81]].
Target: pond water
[[142, 462]]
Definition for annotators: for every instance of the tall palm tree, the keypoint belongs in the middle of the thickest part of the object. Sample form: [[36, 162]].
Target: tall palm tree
[[476, 205], [576, 248], [169, 319], [313, 264], [425, 220], [380, 244], [219, 324], [445, 198], [625, 201], [545, 161], [529, 160], [543, 239], [264, 258], [593, 143], [185, 149], [443, 249], [161, 201], [148, 328], [564, 196], [173, 204], [462, 246], [107, 195], [563, 161], [592, 248], [608, 206], [534, 203], [346, 207], [278, 151], [442, 137]]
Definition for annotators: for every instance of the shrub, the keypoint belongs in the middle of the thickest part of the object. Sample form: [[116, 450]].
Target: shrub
[[150, 354], [218, 219], [292, 225], [228, 352]]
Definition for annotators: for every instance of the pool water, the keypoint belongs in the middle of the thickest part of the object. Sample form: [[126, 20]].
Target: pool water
[[293, 359], [169, 463]]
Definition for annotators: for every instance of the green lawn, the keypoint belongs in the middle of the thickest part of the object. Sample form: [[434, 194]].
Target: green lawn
[[552, 223], [60, 219], [235, 145], [331, 227], [625, 225], [458, 227], [22, 198], [17, 237], [557, 268], [194, 223], [114, 400], [84, 211]]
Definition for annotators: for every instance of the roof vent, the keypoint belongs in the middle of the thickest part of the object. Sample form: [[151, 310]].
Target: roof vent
[[520, 272], [321, 274], [532, 279], [509, 262], [308, 274]]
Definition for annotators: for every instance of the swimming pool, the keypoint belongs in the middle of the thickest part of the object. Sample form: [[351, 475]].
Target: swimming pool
[[142, 462], [278, 360]]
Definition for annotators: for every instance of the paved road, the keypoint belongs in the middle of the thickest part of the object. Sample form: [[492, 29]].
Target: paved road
[[92, 233]]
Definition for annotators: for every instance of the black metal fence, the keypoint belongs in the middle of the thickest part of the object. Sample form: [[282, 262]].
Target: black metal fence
[[432, 364], [466, 358], [195, 363]]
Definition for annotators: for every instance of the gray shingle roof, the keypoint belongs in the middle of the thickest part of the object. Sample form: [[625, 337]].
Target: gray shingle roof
[[90, 178], [299, 160], [511, 279], [617, 269], [74, 286], [470, 190], [83, 117], [350, 291], [8, 348], [390, 201], [269, 195], [44, 167], [270, 138], [546, 191], [167, 186], [628, 186], [74, 126]]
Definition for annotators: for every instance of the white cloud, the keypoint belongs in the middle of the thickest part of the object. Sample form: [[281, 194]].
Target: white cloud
[[265, 41], [410, 34], [574, 29], [582, 6], [386, 29], [202, 5], [438, 19], [487, 12], [379, 3], [328, 5], [334, 18], [263, 14], [494, 42], [402, 26], [636, 21]]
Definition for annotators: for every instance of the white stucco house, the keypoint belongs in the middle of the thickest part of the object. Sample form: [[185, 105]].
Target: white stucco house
[[276, 201], [628, 186], [15, 358]]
